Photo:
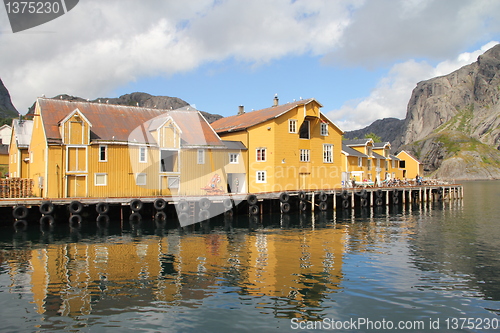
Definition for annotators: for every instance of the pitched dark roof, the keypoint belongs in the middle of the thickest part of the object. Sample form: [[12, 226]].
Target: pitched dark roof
[[249, 119], [116, 122], [352, 152], [356, 142]]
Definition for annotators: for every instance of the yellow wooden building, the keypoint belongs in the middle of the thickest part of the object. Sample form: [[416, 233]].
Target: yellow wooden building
[[410, 165], [19, 148], [391, 164], [81, 149], [292, 146], [369, 163]]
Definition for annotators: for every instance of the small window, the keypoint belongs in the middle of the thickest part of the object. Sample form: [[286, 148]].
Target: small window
[[201, 156], [101, 179], [292, 126], [393, 162], [140, 179], [402, 164], [173, 182], [261, 154], [360, 161], [143, 154], [369, 164], [233, 158], [261, 177], [103, 153], [324, 129], [327, 153], [386, 164], [304, 130], [304, 155]]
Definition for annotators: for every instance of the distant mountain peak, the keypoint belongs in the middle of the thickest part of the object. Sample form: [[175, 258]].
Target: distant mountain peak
[[7, 109]]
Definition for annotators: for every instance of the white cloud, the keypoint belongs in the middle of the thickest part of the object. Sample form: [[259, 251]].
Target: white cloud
[[384, 31], [100, 45], [392, 93]]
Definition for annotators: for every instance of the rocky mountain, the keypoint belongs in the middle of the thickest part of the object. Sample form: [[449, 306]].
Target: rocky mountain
[[388, 129], [7, 109], [452, 122], [140, 99], [466, 101]]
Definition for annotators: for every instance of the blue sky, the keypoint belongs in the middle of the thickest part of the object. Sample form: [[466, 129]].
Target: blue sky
[[360, 59]]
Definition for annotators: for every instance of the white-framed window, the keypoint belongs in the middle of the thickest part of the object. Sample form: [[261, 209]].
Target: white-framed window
[[393, 165], [324, 129], [201, 156], [100, 179], [261, 177], [140, 179], [292, 125], [261, 154], [369, 164], [305, 155], [103, 153], [143, 154], [173, 182], [327, 153], [234, 158], [369, 151], [360, 161], [378, 163], [386, 164]]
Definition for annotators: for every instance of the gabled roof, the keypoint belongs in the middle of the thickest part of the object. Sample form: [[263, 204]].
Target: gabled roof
[[117, 122], [249, 119], [378, 156], [357, 142], [348, 151], [22, 132], [381, 145], [409, 154], [394, 158]]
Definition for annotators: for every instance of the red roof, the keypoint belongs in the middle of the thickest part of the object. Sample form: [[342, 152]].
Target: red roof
[[249, 119], [116, 122]]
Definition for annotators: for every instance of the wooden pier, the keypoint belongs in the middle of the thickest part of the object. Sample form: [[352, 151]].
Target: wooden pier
[[184, 211]]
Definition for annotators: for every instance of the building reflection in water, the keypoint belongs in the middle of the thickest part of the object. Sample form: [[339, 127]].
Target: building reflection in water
[[290, 271]]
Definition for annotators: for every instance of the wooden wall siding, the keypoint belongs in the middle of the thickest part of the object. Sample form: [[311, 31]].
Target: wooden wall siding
[[207, 178], [37, 154], [168, 136]]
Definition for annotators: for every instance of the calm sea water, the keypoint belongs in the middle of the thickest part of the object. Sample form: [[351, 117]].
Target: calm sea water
[[423, 268]]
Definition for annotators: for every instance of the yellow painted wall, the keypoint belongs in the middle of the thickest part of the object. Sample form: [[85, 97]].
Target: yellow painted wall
[[283, 167], [412, 167]]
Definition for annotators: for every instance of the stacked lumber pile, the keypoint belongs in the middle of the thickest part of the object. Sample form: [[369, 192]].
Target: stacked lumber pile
[[16, 188]]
